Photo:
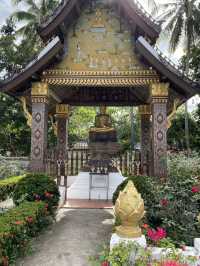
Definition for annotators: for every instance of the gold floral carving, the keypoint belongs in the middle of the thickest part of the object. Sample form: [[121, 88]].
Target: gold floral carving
[[160, 90], [144, 109], [26, 111], [40, 89], [129, 207]]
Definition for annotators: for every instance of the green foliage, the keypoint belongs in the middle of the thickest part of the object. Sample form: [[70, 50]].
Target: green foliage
[[178, 129], [129, 253], [32, 17], [37, 187], [121, 118], [81, 120], [14, 132], [8, 185], [18, 226], [10, 168], [183, 167], [172, 205], [121, 253]]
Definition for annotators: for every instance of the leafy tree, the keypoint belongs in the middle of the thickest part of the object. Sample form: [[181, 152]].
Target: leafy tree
[[32, 16], [82, 118], [176, 137], [181, 22], [14, 132]]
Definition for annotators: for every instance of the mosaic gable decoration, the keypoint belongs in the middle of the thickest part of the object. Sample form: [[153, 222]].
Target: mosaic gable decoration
[[100, 41]]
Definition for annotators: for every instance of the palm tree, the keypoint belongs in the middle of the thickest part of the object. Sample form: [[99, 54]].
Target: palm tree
[[32, 15], [181, 24]]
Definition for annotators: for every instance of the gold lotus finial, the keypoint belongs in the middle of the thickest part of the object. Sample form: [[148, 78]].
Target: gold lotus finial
[[129, 207]]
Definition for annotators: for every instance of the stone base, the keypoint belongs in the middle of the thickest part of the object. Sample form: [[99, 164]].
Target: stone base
[[80, 188], [115, 240]]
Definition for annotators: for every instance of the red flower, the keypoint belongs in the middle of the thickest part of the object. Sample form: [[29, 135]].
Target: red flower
[[195, 189], [145, 226], [29, 219], [48, 195], [105, 263], [173, 263], [46, 206], [164, 202], [19, 222], [156, 235]]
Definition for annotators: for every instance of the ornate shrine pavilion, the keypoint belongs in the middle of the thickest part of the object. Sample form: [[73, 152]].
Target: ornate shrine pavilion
[[101, 53]]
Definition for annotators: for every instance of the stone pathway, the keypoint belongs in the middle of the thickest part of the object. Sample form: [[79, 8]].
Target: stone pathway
[[76, 235]]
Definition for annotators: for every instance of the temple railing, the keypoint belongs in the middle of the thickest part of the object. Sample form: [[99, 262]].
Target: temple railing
[[76, 159]]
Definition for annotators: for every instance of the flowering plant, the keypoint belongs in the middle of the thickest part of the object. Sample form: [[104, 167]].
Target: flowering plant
[[37, 187], [173, 263], [156, 235]]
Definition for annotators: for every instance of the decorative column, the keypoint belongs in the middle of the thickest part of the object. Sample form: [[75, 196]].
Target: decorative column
[[159, 129], [145, 116], [39, 95], [62, 114]]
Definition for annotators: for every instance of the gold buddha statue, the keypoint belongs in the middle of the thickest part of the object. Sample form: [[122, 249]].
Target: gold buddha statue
[[102, 121], [102, 139]]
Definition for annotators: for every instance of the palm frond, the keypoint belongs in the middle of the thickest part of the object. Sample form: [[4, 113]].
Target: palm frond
[[176, 33], [23, 16], [32, 4]]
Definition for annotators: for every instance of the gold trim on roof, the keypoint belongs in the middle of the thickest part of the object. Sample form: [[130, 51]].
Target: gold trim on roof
[[100, 78]]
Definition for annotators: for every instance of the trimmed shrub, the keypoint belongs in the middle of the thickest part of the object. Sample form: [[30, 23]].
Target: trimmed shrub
[[37, 187], [18, 226], [8, 185]]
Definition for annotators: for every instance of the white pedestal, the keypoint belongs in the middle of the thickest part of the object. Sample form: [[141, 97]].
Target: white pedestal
[[115, 240], [80, 188]]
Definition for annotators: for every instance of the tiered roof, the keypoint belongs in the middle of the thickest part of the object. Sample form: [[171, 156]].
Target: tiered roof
[[53, 31]]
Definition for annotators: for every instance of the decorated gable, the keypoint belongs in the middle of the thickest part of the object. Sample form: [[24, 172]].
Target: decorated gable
[[100, 41]]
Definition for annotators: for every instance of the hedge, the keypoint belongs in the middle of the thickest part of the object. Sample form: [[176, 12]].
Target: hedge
[[18, 226], [8, 185]]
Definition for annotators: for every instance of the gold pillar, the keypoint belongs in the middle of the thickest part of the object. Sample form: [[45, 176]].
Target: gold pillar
[[39, 95], [145, 117], [159, 129]]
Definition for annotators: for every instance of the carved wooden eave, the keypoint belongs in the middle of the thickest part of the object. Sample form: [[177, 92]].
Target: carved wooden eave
[[68, 12], [100, 78], [178, 82], [19, 82]]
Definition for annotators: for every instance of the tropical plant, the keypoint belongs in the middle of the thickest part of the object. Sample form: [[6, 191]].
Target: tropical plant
[[32, 16], [181, 22]]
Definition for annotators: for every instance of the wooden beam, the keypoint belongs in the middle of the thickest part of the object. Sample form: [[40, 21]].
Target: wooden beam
[[55, 96]]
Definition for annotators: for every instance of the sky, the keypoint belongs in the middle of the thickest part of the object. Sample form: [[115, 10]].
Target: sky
[[6, 8]]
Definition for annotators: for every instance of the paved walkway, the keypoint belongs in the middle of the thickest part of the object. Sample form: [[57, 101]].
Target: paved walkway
[[69, 242]]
